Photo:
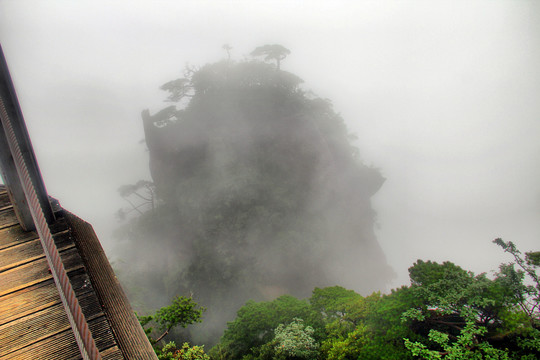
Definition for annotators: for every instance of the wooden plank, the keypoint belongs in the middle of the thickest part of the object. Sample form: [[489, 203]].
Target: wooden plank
[[49, 348], [38, 297], [33, 323], [35, 272], [60, 343], [42, 324], [31, 250], [63, 346], [113, 353], [15, 235], [8, 218], [128, 332], [30, 300], [101, 331], [4, 198], [28, 330]]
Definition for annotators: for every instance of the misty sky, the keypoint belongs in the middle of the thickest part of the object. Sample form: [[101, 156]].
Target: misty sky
[[444, 97]]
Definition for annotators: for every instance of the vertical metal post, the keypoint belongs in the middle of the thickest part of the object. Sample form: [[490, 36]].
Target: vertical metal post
[[11, 110]]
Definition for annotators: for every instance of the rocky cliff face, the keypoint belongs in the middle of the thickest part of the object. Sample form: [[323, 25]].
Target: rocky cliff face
[[262, 190]]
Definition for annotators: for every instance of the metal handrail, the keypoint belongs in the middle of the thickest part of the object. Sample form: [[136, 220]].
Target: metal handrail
[[28, 179], [7, 166]]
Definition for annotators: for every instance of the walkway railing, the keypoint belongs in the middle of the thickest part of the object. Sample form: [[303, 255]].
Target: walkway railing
[[30, 200]]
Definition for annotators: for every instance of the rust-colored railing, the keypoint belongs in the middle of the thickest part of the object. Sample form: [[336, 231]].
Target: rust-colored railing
[[30, 199]]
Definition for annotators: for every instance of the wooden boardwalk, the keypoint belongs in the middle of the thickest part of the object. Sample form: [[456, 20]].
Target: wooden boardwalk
[[33, 323]]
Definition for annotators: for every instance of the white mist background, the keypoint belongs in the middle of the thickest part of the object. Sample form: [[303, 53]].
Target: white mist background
[[443, 96]]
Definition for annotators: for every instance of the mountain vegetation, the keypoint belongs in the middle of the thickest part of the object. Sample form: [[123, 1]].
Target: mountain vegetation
[[446, 313], [257, 191], [259, 208]]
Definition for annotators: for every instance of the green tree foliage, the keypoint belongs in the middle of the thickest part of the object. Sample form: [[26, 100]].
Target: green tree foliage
[[465, 346], [260, 192], [472, 317], [295, 341], [446, 313], [371, 328], [348, 346], [291, 342], [528, 296], [361, 327], [345, 324], [256, 322], [186, 352], [182, 312], [333, 302]]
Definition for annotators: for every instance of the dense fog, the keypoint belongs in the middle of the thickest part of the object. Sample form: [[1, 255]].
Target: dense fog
[[442, 98]]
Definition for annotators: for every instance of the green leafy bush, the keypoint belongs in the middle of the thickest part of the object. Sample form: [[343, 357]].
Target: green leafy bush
[[186, 352], [295, 341]]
